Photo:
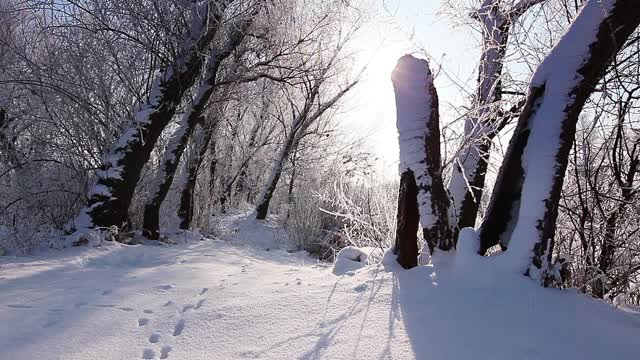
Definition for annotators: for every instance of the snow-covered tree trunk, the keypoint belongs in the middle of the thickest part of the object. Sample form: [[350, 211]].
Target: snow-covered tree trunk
[[419, 137], [192, 117], [470, 167], [524, 206], [110, 197]]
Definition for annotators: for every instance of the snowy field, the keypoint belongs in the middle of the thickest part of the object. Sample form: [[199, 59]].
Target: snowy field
[[240, 298]]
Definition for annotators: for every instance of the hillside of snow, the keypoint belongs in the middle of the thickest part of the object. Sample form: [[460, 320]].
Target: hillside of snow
[[241, 298]]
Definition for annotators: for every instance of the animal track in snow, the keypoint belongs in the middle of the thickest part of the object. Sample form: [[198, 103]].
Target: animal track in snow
[[164, 352], [154, 338], [143, 321], [148, 354], [199, 304], [177, 330]]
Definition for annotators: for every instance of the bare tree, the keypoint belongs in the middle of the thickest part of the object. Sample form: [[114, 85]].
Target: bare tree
[[487, 117], [524, 205], [110, 198]]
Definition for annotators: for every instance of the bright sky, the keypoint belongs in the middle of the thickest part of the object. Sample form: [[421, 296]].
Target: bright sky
[[411, 26]]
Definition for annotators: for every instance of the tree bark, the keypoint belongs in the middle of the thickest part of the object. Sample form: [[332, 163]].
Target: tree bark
[[469, 171], [263, 207], [110, 198], [185, 210], [524, 205], [419, 138], [193, 116], [408, 222]]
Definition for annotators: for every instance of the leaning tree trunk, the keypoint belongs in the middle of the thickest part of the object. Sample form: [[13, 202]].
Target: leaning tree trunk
[[301, 124], [276, 172], [185, 209], [470, 168], [419, 136], [192, 117], [110, 198], [524, 205]]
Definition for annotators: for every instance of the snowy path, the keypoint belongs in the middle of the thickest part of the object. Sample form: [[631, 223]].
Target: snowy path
[[218, 300]]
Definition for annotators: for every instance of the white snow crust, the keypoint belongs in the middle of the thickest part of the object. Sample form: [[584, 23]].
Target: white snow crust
[[244, 298]]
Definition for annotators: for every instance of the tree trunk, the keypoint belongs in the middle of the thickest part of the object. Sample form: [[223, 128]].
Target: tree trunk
[[419, 135], [110, 198], [193, 116], [408, 222], [263, 207], [469, 171], [524, 205], [185, 210]]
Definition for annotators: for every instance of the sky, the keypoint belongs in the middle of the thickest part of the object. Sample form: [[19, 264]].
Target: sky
[[407, 26]]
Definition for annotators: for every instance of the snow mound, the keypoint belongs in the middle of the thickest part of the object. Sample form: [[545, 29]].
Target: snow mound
[[352, 258]]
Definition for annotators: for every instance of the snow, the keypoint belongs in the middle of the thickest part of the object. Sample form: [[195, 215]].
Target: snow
[[558, 74], [411, 81], [242, 297]]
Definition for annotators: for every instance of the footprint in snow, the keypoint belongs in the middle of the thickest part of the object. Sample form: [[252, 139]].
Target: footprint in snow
[[177, 330], [199, 304], [164, 352], [163, 287], [361, 288], [148, 354], [124, 308], [147, 311], [203, 291], [154, 338], [143, 321], [168, 303], [106, 292]]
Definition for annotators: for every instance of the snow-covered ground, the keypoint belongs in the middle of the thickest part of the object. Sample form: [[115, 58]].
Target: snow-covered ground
[[242, 299]]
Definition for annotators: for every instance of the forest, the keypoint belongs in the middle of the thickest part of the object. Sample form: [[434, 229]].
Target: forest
[[146, 146]]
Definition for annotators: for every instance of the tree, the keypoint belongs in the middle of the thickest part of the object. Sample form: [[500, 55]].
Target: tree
[[420, 164], [524, 206], [193, 116], [487, 118], [109, 199], [311, 110]]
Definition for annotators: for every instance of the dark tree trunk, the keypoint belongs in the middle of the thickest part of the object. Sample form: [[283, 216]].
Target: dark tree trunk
[[7, 143], [419, 135], [193, 117], [440, 232], [263, 207], [486, 121], [503, 216], [408, 222], [185, 210], [110, 198]]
